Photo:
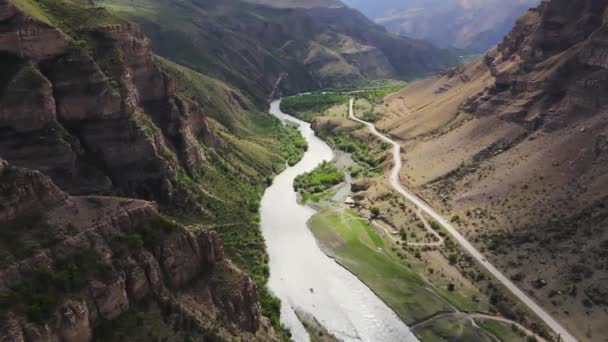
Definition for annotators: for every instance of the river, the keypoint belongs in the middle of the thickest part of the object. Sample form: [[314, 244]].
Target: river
[[303, 277]]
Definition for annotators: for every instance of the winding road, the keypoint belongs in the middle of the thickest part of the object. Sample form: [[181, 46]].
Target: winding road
[[563, 334]]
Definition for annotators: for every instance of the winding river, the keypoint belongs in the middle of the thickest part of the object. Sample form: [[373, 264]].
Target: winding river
[[303, 277]]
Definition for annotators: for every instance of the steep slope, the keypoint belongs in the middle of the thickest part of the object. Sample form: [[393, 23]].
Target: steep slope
[[472, 25], [79, 268], [513, 146], [256, 47], [84, 102]]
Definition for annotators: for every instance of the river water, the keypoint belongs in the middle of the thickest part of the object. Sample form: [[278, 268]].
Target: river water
[[303, 277]]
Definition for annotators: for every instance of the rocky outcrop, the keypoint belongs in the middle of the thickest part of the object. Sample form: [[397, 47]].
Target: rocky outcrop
[[107, 124], [130, 253], [550, 69], [96, 117], [27, 37], [252, 47], [524, 149], [23, 190]]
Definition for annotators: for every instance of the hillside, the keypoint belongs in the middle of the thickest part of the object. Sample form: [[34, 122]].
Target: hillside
[[256, 47], [514, 146], [471, 25], [129, 187], [299, 3]]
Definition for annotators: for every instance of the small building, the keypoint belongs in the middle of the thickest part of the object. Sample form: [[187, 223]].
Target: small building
[[349, 201]]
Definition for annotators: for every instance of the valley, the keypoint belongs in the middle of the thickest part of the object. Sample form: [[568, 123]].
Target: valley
[[410, 192], [306, 279], [415, 276]]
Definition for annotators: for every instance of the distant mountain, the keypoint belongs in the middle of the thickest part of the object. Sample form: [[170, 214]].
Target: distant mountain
[[255, 43], [475, 25], [299, 3]]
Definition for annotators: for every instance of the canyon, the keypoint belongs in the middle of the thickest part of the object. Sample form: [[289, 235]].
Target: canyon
[[136, 148]]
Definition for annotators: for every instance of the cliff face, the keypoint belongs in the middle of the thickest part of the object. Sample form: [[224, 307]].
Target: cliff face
[[84, 104], [520, 155], [95, 120], [107, 255]]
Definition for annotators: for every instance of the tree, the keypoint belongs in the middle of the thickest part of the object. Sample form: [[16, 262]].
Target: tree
[[375, 211], [451, 287], [453, 258]]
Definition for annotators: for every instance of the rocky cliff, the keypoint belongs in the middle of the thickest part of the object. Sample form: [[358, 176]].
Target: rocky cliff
[[514, 146], [105, 256], [92, 130], [92, 124]]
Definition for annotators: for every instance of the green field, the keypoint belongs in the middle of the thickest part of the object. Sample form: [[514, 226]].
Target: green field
[[358, 248], [309, 106], [503, 331]]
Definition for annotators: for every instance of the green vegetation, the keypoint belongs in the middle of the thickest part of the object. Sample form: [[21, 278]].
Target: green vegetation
[[293, 144], [451, 329], [38, 297], [505, 332], [69, 16], [21, 237], [149, 320], [20, 78], [307, 107], [318, 180], [375, 95], [229, 185], [223, 103], [360, 151], [355, 245]]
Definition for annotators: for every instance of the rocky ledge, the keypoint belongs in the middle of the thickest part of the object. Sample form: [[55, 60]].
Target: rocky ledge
[[104, 255]]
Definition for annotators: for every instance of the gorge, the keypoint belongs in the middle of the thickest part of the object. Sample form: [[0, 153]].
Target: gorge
[[304, 277]]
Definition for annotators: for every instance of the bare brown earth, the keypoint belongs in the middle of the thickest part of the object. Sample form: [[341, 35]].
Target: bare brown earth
[[515, 145]]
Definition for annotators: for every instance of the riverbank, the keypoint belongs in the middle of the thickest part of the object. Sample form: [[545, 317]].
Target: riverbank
[[399, 253], [303, 277]]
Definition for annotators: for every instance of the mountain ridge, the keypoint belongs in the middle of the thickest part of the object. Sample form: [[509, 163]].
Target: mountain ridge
[[513, 145], [474, 26]]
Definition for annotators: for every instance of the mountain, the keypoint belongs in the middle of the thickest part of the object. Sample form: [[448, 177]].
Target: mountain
[[256, 47], [515, 146], [299, 3], [473, 25], [129, 187]]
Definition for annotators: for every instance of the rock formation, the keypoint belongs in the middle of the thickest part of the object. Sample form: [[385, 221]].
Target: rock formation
[[91, 132], [514, 143], [121, 251]]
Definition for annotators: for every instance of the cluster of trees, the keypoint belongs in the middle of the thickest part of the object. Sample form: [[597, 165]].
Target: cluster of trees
[[320, 179], [293, 145]]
